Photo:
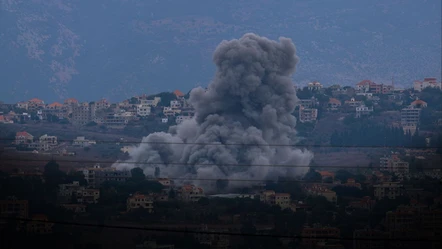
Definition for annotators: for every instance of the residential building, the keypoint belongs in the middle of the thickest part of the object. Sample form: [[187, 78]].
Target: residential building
[[81, 114], [363, 110], [143, 110], [22, 105], [367, 86], [410, 116], [39, 225], [35, 104], [394, 164], [320, 190], [67, 192], [102, 104], [308, 103], [179, 119], [353, 103], [166, 182], [55, 109], [83, 142], [316, 236], [427, 82], [76, 208], [13, 207], [364, 86], [5, 120], [418, 103], [307, 114], [351, 182], [364, 203], [390, 190], [151, 102], [178, 94], [282, 200], [190, 193], [369, 239], [314, 86], [333, 104], [169, 111], [139, 201], [22, 137], [48, 141], [214, 238], [326, 175], [88, 196], [175, 104], [96, 176]]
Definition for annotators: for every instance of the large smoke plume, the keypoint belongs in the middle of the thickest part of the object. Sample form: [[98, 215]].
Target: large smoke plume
[[244, 112]]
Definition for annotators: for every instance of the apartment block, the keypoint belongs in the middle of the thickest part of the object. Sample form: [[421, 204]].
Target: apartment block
[[190, 193], [363, 110], [307, 114], [138, 201], [410, 116], [317, 236], [427, 82], [394, 164], [390, 190]]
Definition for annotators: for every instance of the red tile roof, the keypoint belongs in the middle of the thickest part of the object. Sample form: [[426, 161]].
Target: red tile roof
[[364, 82], [35, 100], [55, 104], [23, 134], [71, 101], [2, 118], [418, 102], [334, 101], [178, 93]]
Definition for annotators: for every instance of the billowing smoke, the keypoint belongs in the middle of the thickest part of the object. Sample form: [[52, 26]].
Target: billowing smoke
[[244, 112]]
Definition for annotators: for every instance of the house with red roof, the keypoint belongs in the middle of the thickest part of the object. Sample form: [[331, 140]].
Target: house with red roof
[[23, 137], [190, 193], [5, 120], [71, 101], [138, 201], [35, 104], [333, 104], [418, 103], [418, 86]]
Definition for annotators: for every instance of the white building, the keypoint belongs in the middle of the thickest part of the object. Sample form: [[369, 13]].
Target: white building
[[410, 116], [180, 119], [307, 114], [175, 104], [190, 193], [143, 110], [427, 82], [82, 142], [394, 164], [363, 110], [314, 86], [389, 190]]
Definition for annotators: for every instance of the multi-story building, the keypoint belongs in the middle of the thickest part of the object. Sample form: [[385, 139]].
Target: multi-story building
[[151, 102], [22, 105], [83, 142], [427, 82], [39, 225], [139, 201], [369, 239], [394, 164], [314, 86], [96, 175], [190, 193], [178, 94], [55, 109], [390, 190], [308, 103], [410, 116], [175, 104], [319, 190], [317, 236], [179, 119], [81, 114], [35, 104], [367, 86], [49, 141], [143, 110], [67, 192], [76, 208], [353, 103], [88, 196], [363, 110], [22, 137], [13, 207], [166, 182], [282, 200], [307, 114]]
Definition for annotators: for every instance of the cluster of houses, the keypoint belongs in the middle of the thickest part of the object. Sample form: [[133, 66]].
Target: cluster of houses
[[43, 143], [118, 115]]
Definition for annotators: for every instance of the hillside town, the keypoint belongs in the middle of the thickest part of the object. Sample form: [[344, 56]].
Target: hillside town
[[392, 200]]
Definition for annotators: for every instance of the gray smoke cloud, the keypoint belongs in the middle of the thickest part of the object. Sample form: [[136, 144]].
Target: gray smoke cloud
[[250, 101]]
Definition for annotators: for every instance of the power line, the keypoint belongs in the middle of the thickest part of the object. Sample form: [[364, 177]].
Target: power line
[[197, 164], [249, 144], [209, 232]]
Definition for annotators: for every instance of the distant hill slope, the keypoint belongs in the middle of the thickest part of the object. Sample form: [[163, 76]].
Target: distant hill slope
[[116, 48]]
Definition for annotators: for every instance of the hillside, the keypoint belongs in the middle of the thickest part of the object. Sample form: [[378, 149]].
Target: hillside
[[117, 48]]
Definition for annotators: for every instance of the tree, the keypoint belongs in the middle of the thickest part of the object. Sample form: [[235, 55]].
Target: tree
[[137, 174], [53, 177], [92, 123]]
